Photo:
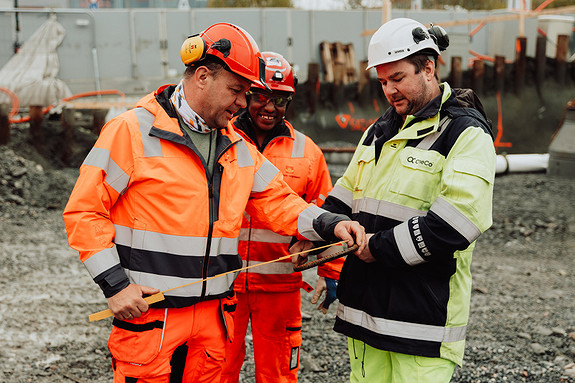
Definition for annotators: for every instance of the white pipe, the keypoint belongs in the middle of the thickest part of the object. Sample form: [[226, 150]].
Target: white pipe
[[517, 163]]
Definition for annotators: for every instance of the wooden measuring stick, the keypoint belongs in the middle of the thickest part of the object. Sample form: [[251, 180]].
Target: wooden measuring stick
[[160, 296], [108, 313]]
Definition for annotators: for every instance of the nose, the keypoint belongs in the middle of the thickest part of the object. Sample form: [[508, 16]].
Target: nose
[[388, 89], [241, 100], [269, 106]]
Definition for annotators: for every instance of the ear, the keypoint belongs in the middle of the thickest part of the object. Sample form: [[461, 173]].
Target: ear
[[201, 75], [429, 69]]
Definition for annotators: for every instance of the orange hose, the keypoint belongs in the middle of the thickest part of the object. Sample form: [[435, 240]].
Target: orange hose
[[498, 142], [543, 5], [66, 99], [13, 100]]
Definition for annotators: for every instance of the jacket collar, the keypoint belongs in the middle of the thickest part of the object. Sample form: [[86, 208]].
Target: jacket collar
[[166, 119], [391, 125], [245, 124]]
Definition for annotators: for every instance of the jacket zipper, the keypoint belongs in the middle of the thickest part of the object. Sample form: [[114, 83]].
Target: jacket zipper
[[210, 234], [211, 218]]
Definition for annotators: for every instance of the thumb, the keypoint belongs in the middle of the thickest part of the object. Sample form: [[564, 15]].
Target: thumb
[[316, 296]]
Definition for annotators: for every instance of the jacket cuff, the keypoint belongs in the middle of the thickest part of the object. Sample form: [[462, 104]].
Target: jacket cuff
[[324, 225], [112, 281]]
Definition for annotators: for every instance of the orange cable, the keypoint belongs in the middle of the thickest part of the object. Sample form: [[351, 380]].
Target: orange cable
[[66, 99]]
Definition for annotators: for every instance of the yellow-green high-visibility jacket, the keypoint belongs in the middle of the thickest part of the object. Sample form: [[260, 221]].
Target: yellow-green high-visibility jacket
[[424, 187]]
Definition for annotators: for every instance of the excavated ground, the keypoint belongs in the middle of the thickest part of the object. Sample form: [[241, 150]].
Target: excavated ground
[[522, 326]]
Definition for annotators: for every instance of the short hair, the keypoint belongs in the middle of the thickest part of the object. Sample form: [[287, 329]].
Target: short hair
[[214, 64], [418, 60]]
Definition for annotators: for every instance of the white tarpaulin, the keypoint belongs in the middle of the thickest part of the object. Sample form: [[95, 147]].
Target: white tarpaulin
[[31, 73]]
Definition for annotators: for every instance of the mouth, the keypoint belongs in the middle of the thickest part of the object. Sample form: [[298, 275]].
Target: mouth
[[266, 117]]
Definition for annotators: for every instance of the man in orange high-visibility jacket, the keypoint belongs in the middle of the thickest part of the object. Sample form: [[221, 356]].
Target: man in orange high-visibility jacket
[[269, 296], [159, 204]]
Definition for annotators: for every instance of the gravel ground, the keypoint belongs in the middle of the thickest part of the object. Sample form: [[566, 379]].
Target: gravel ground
[[522, 325]]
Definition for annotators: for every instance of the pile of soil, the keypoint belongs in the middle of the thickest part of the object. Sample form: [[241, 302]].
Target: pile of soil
[[522, 324]]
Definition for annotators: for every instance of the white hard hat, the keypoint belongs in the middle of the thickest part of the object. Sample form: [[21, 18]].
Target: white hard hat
[[399, 38]]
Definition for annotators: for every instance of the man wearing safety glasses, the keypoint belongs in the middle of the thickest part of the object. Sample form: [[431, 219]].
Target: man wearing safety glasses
[[269, 295]]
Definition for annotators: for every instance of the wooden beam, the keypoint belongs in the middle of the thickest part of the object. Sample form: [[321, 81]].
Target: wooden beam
[[494, 18]]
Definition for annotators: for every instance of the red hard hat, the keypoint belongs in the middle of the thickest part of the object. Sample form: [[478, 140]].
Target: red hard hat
[[279, 73], [231, 44]]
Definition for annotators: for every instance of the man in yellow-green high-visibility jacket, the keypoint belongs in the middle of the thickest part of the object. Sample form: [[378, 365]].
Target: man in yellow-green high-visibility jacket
[[421, 183]]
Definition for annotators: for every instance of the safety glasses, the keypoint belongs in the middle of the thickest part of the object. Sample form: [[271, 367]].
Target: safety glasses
[[279, 101]]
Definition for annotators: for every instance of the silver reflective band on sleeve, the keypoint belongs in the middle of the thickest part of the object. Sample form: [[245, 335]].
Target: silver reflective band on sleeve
[[298, 149], [263, 235], [385, 209], [405, 244], [115, 176], [214, 286], [401, 329], [305, 222], [264, 176], [342, 194], [455, 219], [269, 268], [173, 244], [244, 157], [152, 145], [102, 261]]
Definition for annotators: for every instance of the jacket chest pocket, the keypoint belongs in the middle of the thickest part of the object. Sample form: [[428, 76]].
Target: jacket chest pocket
[[418, 177], [365, 169]]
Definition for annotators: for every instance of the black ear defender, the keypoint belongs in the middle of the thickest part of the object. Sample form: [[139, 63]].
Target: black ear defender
[[222, 45], [439, 35], [194, 49], [419, 35]]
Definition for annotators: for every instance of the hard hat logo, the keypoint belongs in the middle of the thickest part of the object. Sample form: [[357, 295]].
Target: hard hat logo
[[273, 61], [401, 37], [279, 74]]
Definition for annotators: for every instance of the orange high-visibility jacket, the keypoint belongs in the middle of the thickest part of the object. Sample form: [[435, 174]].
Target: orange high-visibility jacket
[[143, 208], [304, 168]]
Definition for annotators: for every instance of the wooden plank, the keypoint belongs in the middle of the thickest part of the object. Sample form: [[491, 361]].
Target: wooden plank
[[540, 60], [351, 63], [4, 124], [36, 117], [312, 86], [364, 84], [561, 58], [326, 61], [68, 120], [456, 75], [520, 63], [513, 16], [499, 73], [477, 79]]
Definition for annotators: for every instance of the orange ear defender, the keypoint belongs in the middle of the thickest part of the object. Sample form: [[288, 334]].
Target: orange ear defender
[[193, 49]]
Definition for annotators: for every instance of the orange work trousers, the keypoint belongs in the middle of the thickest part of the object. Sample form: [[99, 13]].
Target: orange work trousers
[[276, 331], [186, 344]]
